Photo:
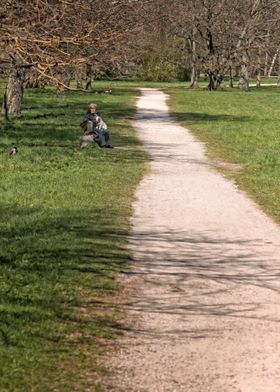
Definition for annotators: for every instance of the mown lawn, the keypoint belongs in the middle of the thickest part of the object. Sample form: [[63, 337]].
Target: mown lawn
[[65, 217], [238, 127], [63, 228]]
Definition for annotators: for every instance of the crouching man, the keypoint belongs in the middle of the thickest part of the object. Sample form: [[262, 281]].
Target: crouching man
[[95, 126]]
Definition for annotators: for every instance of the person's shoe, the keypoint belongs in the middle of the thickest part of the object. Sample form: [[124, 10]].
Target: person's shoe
[[110, 146]]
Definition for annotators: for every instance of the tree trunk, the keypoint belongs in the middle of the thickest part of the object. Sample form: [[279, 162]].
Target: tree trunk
[[258, 81], [33, 80], [272, 63], [244, 74], [230, 78], [194, 76], [59, 85], [67, 76], [4, 109], [14, 92], [215, 81], [89, 86], [243, 83], [211, 84], [278, 81], [194, 65], [265, 65], [78, 78]]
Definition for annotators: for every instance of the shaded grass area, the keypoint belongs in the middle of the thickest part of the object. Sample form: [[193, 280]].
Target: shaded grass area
[[64, 223], [239, 128]]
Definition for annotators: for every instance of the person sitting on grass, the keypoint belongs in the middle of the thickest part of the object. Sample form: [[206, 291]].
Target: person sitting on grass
[[93, 124]]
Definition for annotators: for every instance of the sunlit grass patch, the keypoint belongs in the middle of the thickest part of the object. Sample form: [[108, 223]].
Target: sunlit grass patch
[[240, 128], [64, 224]]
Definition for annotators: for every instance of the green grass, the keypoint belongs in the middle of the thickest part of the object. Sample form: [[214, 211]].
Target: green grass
[[63, 231], [65, 217], [267, 80], [239, 128]]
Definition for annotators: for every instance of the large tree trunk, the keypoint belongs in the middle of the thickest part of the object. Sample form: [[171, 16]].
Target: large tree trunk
[[243, 83], [215, 81], [14, 92], [244, 74], [194, 76]]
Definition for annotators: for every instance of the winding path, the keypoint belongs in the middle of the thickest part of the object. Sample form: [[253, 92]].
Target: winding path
[[204, 300]]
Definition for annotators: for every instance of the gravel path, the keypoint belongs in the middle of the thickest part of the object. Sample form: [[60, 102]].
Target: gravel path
[[203, 302]]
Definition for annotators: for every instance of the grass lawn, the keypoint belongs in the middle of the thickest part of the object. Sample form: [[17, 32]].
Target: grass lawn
[[241, 128], [64, 223], [65, 217]]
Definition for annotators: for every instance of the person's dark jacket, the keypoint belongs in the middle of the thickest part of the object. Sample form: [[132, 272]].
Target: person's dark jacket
[[89, 117]]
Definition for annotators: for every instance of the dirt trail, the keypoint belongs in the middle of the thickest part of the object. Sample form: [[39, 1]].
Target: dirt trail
[[204, 308]]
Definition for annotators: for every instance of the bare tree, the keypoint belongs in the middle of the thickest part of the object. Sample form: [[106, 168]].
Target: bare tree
[[53, 36]]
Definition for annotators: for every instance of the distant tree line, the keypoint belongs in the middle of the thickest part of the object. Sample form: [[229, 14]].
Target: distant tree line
[[217, 38]]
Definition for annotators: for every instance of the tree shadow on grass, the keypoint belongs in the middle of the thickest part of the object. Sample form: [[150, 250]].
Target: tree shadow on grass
[[163, 115], [47, 263], [58, 129], [206, 117]]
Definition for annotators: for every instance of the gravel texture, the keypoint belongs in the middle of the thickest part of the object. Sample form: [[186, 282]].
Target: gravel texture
[[203, 303]]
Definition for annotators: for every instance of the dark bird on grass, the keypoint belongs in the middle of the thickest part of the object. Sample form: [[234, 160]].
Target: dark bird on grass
[[14, 151]]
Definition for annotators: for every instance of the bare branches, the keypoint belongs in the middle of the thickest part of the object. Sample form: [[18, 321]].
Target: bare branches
[[215, 34], [225, 34], [59, 33]]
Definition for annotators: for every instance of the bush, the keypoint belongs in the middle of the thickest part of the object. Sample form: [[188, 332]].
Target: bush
[[184, 74], [156, 68]]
